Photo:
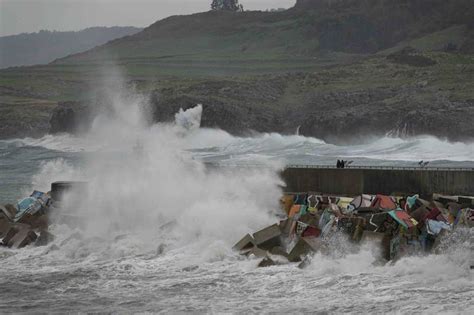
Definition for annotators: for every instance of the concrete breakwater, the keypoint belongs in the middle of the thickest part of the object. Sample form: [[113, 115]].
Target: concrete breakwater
[[379, 180]]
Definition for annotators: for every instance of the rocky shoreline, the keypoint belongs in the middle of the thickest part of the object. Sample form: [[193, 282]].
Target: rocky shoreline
[[336, 117], [401, 95]]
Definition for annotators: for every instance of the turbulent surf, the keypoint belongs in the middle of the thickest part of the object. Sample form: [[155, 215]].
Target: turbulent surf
[[160, 227]]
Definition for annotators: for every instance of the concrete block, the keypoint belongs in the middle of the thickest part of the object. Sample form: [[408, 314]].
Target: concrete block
[[23, 238], [303, 247], [286, 203], [35, 221], [268, 238], [44, 238], [58, 189], [443, 199], [9, 234], [7, 213], [309, 219], [280, 251], [374, 221], [422, 202], [5, 221], [466, 201], [246, 242], [285, 226], [257, 252], [4, 226], [312, 231], [11, 210], [372, 237], [419, 214]]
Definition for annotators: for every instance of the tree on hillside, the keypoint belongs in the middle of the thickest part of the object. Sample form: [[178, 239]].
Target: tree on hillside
[[227, 5]]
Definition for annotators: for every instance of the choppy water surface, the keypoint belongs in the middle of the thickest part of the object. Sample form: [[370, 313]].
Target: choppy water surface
[[159, 227], [186, 269]]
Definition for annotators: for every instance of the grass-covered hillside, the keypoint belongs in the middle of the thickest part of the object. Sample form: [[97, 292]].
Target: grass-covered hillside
[[45, 46], [382, 65]]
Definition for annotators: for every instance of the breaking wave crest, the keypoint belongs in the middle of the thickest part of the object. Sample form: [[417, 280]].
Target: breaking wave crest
[[157, 229], [218, 145]]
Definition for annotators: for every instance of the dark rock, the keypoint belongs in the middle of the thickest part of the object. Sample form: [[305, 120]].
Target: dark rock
[[334, 116], [161, 249], [190, 268], [306, 262], [266, 262], [70, 117]]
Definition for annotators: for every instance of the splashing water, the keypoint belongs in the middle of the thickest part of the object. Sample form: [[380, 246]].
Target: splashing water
[[160, 226]]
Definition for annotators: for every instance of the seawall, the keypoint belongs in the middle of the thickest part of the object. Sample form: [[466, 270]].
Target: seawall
[[374, 180]]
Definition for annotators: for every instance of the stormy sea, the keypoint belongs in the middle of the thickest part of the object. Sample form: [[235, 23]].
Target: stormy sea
[[159, 227]]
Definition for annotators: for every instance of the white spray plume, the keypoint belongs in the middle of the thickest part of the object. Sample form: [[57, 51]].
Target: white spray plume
[[160, 193], [189, 119]]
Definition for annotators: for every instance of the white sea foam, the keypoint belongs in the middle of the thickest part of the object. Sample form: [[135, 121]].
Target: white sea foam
[[143, 178], [292, 149], [161, 226]]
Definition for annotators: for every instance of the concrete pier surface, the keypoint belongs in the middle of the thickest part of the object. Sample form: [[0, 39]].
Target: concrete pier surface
[[379, 180]]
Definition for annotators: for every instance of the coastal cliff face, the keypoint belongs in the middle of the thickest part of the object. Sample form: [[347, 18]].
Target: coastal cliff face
[[310, 103]]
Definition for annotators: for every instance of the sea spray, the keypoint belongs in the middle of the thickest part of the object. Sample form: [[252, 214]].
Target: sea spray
[[159, 193], [160, 225]]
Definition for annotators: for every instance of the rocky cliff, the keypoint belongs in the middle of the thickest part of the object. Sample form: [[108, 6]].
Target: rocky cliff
[[341, 104]]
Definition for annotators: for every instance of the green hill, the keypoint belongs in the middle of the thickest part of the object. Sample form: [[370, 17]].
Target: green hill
[[310, 29], [45, 46], [337, 68]]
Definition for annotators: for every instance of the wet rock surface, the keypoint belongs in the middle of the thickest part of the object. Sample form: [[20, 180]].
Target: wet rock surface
[[341, 117], [321, 224]]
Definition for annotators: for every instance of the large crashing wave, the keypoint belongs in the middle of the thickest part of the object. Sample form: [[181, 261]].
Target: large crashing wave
[[143, 181], [159, 228]]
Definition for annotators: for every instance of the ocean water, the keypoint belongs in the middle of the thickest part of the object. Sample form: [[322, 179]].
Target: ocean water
[[159, 227]]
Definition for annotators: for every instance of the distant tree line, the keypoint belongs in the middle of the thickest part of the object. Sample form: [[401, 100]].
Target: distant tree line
[[227, 5]]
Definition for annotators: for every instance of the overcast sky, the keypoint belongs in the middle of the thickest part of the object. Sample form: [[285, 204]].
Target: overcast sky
[[19, 16]]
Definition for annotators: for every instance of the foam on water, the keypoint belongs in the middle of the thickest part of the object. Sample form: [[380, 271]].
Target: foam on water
[[160, 228], [218, 145]]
